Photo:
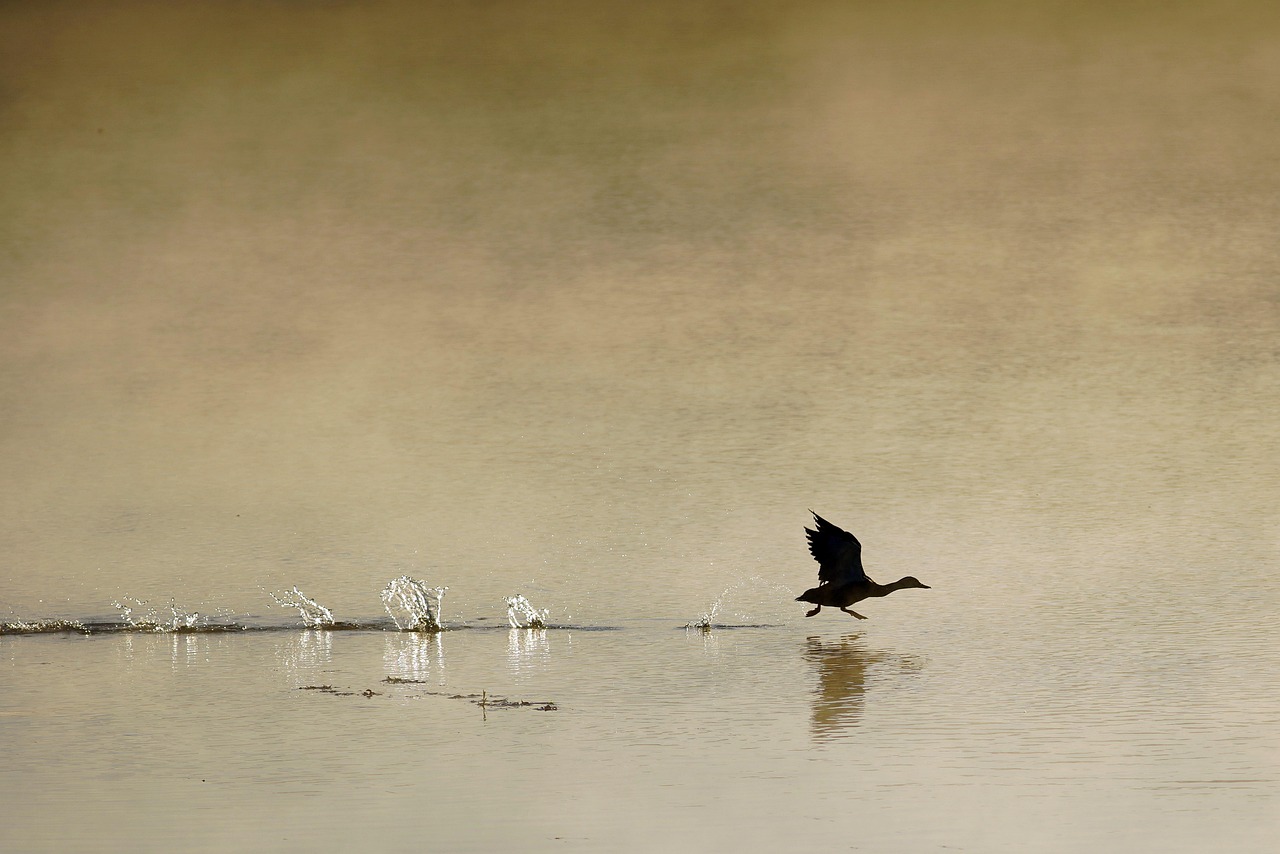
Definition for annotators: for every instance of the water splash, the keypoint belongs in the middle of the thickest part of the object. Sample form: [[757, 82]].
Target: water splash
[[707, 620], [412, 605], [150, 619], [522, 615], [314, 615], [748, 597]]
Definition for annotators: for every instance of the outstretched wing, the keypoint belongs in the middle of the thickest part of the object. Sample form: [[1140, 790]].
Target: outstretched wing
[[838, 553]]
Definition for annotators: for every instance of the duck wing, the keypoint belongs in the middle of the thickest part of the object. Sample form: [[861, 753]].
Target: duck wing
[[838, 553]]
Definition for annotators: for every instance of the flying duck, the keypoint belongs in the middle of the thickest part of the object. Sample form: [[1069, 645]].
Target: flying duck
[[841, 578]]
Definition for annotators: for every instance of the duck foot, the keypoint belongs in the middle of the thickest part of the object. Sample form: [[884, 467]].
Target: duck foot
[[853, 613], [814, 611]]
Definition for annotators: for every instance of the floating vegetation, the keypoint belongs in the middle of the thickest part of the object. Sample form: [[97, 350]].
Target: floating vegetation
[[329, 689], [483, 699], [522, 615], [412, 605], [314, 615]]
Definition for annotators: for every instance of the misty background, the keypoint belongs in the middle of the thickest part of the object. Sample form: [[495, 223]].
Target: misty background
[[594, 300]]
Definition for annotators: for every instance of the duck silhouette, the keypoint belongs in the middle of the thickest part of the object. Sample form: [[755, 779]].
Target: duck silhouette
[[841, 578]]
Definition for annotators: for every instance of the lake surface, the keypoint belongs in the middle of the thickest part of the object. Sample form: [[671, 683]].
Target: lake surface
[[591, 303]]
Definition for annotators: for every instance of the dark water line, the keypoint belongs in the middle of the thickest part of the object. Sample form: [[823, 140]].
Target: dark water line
[[70, 627]]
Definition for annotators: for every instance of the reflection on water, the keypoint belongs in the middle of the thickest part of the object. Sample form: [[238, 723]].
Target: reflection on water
[[181, 649], [527, 645], [188, 649], [306, 650], [413, 655], [710, 641], [843, 667]]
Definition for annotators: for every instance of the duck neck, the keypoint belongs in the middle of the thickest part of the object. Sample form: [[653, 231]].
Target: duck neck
[[886, 589]]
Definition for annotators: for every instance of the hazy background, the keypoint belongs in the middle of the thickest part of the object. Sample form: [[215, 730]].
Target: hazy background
[[593, 300]]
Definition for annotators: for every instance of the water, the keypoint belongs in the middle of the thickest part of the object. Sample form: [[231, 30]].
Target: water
[[751, 737], [582, 306]]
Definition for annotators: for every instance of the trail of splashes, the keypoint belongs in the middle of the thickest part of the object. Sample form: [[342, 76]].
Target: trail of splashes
[[708, 619], [522, 615], [412, 605], [314, 615], [151, 621]]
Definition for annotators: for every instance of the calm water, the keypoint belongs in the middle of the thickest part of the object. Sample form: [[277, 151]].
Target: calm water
[[590, 302]]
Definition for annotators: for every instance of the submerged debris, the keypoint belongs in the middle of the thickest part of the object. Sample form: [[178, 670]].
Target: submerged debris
[[329, 689], [483, 699]]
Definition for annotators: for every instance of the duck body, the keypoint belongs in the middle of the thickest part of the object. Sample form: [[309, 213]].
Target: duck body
[[842, 579], [843, 595]]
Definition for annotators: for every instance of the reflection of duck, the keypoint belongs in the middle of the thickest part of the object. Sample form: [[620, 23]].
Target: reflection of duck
[[842, 675], [843, 667], [842, 580]]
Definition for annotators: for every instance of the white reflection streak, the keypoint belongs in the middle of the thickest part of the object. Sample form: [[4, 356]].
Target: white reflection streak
[[524, 644], [315, 647], [309, 648], [186, 648], [410, 655], [710, 643]]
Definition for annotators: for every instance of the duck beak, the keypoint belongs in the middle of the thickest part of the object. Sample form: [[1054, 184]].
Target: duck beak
[[925, 586]]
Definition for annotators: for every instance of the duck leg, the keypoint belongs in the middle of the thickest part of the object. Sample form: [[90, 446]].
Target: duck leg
[[814, 611], [854, 613]]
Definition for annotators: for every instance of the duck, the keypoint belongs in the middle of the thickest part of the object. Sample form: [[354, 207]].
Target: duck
[[841, 579]]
